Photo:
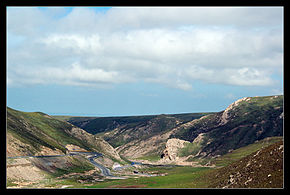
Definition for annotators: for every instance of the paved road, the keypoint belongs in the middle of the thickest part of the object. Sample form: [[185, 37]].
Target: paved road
[[92, 155], [126, 166], [105, 171]]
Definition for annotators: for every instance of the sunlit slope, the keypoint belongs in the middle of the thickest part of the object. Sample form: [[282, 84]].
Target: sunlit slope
[[242, 123], [29, 132]]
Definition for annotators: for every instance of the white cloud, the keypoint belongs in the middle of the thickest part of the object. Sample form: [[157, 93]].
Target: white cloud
[[249, 77], [75, 74], [76, 42], [169, 46], [232, 76]]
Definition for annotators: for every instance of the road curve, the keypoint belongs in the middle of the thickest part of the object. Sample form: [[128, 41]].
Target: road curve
[[91, 156], [105, 171]]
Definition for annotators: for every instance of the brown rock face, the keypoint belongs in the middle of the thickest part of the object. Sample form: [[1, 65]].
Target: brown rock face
[[171, 151]]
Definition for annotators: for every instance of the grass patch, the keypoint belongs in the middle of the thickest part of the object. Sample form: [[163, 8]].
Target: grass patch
[[189, 149], [10, 183], [36, 129], [193, 147], [78, 166], [153, 157], [177, 177]]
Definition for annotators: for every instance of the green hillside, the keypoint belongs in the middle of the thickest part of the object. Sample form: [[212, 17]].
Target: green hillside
[[242, 123], [246, 121], [38, 129]]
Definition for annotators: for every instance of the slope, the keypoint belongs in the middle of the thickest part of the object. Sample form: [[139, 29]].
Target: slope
[[261, 169], [38, 134], [36, 129], [242, 123]]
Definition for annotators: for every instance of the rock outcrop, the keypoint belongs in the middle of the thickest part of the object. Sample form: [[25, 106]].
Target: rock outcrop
[[170, 154], [225, 116]]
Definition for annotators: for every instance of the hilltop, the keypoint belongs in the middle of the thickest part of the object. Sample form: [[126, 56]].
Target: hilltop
[[241, 123]]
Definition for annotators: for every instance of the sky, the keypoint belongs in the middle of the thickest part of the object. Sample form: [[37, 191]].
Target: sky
[[122, 61]]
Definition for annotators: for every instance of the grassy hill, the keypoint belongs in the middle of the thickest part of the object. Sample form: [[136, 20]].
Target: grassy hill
[[241, 124], [29, 132], [37, 129]]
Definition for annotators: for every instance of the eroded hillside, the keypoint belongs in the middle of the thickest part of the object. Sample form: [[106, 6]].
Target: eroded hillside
[[242, 123], [210, 134]]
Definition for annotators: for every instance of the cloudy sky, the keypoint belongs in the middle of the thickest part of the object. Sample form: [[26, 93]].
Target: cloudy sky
[[105, 61]]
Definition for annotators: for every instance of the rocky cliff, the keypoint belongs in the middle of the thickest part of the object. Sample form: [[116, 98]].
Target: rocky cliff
[[170, 154]]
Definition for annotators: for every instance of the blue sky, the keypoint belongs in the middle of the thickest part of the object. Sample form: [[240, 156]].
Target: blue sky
[[102, 61]]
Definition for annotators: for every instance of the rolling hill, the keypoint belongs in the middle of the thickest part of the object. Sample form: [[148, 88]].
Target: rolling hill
[[243, 122], [209, 134], [95, 125], [29, 132]]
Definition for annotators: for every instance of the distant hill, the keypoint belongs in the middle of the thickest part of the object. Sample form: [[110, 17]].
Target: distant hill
[[120, 131], [243, 122], [95, 125]]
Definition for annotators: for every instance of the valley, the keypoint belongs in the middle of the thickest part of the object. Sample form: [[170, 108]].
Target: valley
[[192, 150]]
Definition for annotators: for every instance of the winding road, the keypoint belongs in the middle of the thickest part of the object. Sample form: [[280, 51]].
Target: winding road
[[105, 171], [90, 155]]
